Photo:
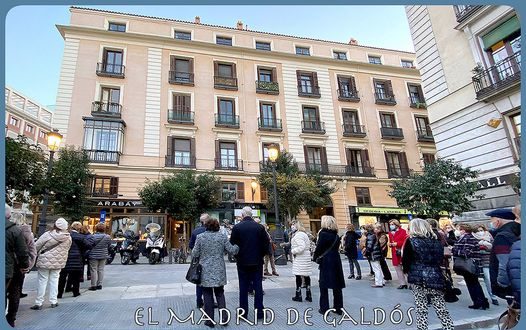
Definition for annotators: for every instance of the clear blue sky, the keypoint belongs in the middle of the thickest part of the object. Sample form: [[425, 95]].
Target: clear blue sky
[[34, 46]]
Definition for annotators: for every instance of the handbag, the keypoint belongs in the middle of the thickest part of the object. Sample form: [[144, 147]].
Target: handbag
[[194, 272], [464, 265], [320, 258]]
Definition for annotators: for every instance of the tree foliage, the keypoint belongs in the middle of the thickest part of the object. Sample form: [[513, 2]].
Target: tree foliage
[[183, 194], [443, 186]]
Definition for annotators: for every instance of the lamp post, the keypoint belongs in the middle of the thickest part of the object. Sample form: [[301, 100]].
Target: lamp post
[[273, 153], [254, 186], [53, 143]]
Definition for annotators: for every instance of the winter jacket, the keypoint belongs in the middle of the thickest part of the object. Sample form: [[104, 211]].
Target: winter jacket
[[451, 239], [199, 230], [504, 237], [331, 271], [30, 242], [253, 243], [349, 244], [485, 244], [300, 249], [79, 245], [373, 248], [99, 243], [16, 254], [210, 248], [52, 248], [422, 258], [467, 246], [514, 270], [398, 237]]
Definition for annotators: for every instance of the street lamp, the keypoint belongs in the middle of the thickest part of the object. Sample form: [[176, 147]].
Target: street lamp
[[254, 186], [53, 143], [273, 153]]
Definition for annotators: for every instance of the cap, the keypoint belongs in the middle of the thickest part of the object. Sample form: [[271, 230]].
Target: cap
[[61, 224], [506, 214]]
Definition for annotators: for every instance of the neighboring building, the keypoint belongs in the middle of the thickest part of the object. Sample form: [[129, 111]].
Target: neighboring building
[[469, 57], [147, 95]]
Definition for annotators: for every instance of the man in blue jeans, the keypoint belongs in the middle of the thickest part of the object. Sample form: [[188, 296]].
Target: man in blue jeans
[[199, 230], [253, 243]]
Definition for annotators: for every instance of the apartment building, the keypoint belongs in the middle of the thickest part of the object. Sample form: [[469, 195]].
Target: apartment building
[[147, 95], [470, 58]]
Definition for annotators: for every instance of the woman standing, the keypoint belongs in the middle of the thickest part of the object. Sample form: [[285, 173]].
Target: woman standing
[[52, 250], [383, 239], [85, 257], [364, 232], [485, 245], [422, 257], [397, 237], [467, 246], [331, 271], [210, 248], [301, 263], [374, 251], [351, 251], [99, 242]]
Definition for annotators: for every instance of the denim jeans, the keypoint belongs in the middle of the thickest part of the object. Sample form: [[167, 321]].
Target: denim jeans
[[487, 282]]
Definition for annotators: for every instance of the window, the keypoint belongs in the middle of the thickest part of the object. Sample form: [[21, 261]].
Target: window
[[41, 134], [104, 186], [351, 122], [119, 27], [262, 45], [265, 74], [387, 120], [380, 89], [182, 151], [225, 70], [362, 196], [383, 91], [516, 121], [375, 59], [30, 128], [14, 121], [347, 87], [181, 70], [266, 147], [358, 160], [422, 126], [109, 100], [302, 51], [407, 64], [103, 138], [339, 55], [428, 158], [310, 117], [229, 191], [396, 164], [314, 158], [183, 35], [112, 61], [416, 95], [267, 112], [226, 110], [224, 41], [503, 41], [227, 155], [307, 84]]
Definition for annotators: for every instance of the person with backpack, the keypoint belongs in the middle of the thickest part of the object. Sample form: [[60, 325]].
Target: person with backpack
[[351, 251]]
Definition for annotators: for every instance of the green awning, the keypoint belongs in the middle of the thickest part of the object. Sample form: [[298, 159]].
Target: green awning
[[501, 32]]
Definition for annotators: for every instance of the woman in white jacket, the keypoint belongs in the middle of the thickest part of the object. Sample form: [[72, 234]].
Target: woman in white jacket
[[301, 264]]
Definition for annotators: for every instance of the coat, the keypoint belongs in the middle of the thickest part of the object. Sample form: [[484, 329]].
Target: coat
[[100, 244], [79, 245], [30, 242], [52, 248], [504, 237], [16, 254], [199, 230], [398, 237], [331, 271], [210, 248], [300, 249], [514, 270], [349, 244], [485, 244], [253, 243], [422, 258]]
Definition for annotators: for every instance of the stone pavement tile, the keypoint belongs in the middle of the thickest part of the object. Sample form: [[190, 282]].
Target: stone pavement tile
[[169, 292], [142, 288], [171, 285]]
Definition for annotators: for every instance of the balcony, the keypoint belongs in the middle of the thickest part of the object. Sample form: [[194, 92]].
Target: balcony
[[313, 126], [362, 171], [392, 133], [322, 169], [223, 120], [180, 161], [228, 164], [309, 91], [181, 78], [348, 95], [100, 192], [398, 172], [106, 109], [351, 130], [425, 135], [110, 70], [269, 124], [464, 11], [384, 98], [417, 103], [103, 156], [498, 78], [228, 83], [181, 115], [267, 87]]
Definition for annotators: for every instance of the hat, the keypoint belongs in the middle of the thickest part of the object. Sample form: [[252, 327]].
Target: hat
[[61, 224], [506, 214]]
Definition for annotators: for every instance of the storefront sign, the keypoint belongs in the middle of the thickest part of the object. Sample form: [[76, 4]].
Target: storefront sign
[[102, 216], [381, 210], [495, 181], [120, 203]]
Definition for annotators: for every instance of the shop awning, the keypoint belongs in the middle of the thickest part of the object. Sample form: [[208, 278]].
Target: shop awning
[[501, 32]]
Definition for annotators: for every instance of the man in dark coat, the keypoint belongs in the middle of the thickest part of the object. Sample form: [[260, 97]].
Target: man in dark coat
[[514, 272], [199, 230], [253, 243]]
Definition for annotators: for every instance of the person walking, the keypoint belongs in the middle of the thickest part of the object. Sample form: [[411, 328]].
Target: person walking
[[383, 239], [351, 251], [71, 273], [485, 245], [397, 237], [301, 264], [253, 243], [17, 262], [269, 257], [210, 247], [197, 231], [421, 260], [330, 265], [52, 249], [467, 246], [364, 232], [99, 242], [374, 252], [29, 238]]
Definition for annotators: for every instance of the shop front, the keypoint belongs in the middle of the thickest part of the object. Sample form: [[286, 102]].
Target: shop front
[[363, 215], [232, 213]]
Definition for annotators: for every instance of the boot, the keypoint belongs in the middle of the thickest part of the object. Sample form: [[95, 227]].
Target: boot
[[308, 296], [298, 296]]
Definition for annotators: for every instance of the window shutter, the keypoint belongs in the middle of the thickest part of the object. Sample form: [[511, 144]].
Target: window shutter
[[365, 157], [274, 75], [233, 106], [234, 73], [403, 163], [187, 102], [114, 186], [218, 153], [172, 63], [169, 149], [298, 77], [324, 164], [315, 79], [420, 92], [177, 100], [192, 151], [387, 163], [375, 81], [339, 82], [306, 155], [353, 83], [216, 68], [190, 65], [389, 87], [240, 191]]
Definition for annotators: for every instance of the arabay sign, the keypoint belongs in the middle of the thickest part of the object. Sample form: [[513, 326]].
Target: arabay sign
[[123, 203]]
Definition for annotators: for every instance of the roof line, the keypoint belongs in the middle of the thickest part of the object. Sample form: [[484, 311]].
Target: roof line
[[231, 28]]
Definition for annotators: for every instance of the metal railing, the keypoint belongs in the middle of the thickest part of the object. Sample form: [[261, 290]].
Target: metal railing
[[309, 91], [112, 109], [348, 95], [267, 87], [110, 70], [180, 161], [425, 135], [225, 82], [417, 102], [392, 133], [103, 156], [360, 170], [398, 172], [272, 124], [384, 98], [229, 164], [353, 130], [181, 115], [499, 77], [227, 120], [464, 11], [313, 126], [178, 77]]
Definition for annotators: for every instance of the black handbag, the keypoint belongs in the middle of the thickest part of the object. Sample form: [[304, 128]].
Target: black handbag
[[320, 258], [464, 265], [194, 272]]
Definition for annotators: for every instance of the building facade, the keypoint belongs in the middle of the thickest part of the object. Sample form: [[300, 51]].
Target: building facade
[[470, 57], [147, 95]]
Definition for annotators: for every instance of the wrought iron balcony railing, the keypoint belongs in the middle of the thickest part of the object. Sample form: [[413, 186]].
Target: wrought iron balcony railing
[[313, 126], [229, 164], [398, 172], [229, 83], [309, 91], [359, 170], [103, 156], [348, 95], [109, 109], [183, 78], [353, 130], [392, 133], [384, 98], [417, 102], [425, 135], [267, 87], [181, 115], [269, 124], [110, 70], [224, 120], [180, 161], [501, 76]]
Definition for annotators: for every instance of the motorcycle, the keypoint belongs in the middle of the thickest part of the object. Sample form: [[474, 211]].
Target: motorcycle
[[112, 251], [154, 243], [129, 249]]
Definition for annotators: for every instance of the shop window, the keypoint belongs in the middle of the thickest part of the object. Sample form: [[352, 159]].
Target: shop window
[[363, 196]]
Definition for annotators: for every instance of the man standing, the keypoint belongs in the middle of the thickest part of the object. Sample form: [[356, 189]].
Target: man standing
[[253, 243], [199, 230], [506, 232]]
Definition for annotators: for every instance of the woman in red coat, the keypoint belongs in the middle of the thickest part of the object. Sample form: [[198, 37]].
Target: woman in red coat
[[397, 237]]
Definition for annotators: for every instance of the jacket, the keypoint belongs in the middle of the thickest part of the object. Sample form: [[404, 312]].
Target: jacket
[[199, 230], [373, 248], [79, 245], [422, 258], [300, 249], [331, 271], [16, 254], [210, 248], [349, 244], [398, 237], [514, 270], [30, 242], [52, 248], [504, 237], [485, 244], [99, 243], [467, 246], [253, 243]]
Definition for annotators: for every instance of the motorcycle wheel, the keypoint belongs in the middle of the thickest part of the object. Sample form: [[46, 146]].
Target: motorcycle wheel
[[134, 261], [110, 260], [153, 258], [125, 259]]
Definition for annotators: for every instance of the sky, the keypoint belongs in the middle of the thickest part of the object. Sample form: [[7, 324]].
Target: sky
[[34, 46]]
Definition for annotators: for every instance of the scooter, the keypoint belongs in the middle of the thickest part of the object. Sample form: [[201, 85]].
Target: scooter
[[112, 251], [154, 243], [129, 249]]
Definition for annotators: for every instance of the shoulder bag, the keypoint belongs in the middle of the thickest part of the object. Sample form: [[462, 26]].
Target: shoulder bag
[[194, 272], [464, 265], [320, 258]]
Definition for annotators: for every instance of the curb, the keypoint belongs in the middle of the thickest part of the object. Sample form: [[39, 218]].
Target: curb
[[477, 323]]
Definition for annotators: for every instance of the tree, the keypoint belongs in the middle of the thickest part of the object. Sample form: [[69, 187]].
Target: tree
[[516, 180], [184, 195], [443, 186]]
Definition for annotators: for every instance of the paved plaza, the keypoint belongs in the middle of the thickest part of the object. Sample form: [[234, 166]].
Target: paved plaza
[[140, 294]]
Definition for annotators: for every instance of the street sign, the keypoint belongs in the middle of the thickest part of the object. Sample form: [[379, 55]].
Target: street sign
[[102, 216]]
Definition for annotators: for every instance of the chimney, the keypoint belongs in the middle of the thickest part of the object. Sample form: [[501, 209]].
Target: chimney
[[197, 20], [353, 41], [239, 25]]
